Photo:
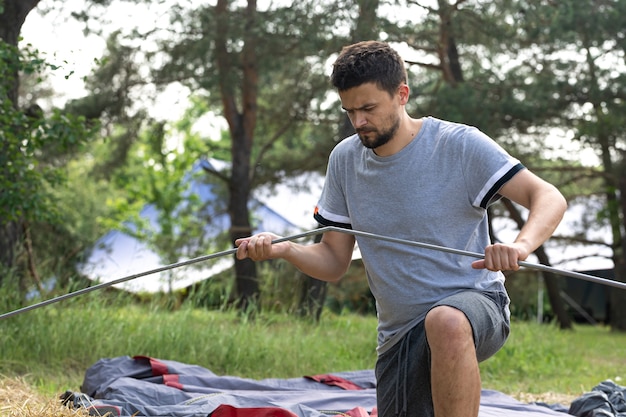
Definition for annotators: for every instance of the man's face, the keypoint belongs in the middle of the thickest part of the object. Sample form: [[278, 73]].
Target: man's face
[[373, 113]]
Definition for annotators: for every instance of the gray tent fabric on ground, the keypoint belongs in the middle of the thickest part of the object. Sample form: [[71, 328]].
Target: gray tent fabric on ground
[[125, 386], [606, 399]]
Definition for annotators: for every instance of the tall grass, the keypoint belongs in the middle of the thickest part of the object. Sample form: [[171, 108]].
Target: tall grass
[[57, 343], [53, 346], [542, 358]]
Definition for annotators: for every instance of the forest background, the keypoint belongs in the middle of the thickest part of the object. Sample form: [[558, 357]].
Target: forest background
[[545, 79]]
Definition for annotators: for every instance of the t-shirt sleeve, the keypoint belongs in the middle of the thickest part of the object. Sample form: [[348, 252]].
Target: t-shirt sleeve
[[487, 167], [331, 209]]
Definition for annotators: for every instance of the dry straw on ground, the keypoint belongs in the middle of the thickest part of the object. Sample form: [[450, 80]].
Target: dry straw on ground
[[547, 398], [17, 398]]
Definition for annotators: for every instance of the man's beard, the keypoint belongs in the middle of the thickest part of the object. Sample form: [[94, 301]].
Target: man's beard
[[375, 138]]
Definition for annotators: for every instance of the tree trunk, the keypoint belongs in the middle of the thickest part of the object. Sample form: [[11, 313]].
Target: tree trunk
[[551, 281], [605, 138], [447, 50], [246, 282], [364, 30], [11, 20], [241, 125], [617, 297], [312, 294], [366, 24], [9, 241]]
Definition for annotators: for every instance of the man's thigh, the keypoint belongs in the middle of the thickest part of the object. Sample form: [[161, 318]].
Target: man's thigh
[[488, 316], [403, 372], [403, 377]]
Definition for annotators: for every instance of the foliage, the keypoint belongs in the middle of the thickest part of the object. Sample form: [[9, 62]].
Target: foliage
[[33, 145], [34, 148], [165, 177], [83, 217], [292, 132], [519, 70]]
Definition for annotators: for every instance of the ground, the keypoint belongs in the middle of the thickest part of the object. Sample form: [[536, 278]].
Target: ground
[[546, 397], [17, 398]]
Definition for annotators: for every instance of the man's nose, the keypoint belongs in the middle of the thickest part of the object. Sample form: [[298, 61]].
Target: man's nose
[[359, 120]]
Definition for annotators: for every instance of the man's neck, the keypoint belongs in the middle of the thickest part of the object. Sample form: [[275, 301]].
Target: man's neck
[[405, 135]]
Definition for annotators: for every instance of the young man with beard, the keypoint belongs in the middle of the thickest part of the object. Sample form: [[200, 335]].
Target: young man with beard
[[427, 180]]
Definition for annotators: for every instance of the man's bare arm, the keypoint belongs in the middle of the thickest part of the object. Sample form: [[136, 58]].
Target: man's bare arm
[[327, 260], [546, 207]]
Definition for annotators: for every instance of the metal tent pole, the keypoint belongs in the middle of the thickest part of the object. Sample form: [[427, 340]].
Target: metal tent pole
[[539, 267]]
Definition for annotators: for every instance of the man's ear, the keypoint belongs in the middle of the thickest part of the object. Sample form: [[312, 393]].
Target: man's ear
[[403, 93]]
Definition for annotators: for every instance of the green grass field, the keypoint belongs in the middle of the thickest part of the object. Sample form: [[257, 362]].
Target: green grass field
[[53, 346]]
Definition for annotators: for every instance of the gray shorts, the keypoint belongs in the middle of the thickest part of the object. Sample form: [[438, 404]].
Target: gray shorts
[[403, 371]]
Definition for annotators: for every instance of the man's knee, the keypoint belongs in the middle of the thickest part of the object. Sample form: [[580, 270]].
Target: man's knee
[[446, 324]]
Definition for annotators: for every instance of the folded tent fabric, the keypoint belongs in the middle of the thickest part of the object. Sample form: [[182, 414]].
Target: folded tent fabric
[[140, 385], [606, 399]]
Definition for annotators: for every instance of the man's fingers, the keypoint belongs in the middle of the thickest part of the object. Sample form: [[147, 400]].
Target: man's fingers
[[258, 247], [499, 257], [242, 248], [480, 264]]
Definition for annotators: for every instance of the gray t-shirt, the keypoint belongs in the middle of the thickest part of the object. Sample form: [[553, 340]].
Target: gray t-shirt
[[435, 190]]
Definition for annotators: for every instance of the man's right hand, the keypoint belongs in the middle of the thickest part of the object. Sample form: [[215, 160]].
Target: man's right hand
[[327, 260], [259, 247]]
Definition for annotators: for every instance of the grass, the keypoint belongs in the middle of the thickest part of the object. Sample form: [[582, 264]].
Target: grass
[[50, 348], [54, 346], [542, 358]]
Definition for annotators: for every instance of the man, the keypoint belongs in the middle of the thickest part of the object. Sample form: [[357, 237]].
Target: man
[[426, 180]]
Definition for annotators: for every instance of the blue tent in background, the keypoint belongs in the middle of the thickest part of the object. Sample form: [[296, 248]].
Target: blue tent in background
[[118, 254]]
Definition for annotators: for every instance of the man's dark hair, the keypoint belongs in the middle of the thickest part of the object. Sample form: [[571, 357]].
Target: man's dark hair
[[368, 61]]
